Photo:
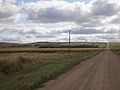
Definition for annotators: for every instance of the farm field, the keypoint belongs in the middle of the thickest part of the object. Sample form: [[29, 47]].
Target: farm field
[[39, 44], [45, 50], [29, 68], [28, 71], [115, 45]]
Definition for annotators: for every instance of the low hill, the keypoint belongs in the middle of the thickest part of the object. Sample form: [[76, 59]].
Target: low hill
[[58, 45]]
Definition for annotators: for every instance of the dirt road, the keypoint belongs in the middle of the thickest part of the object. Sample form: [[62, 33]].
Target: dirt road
[[101, 72]]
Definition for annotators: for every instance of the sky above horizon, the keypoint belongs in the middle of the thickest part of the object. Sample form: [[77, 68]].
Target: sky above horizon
[[26, 21]]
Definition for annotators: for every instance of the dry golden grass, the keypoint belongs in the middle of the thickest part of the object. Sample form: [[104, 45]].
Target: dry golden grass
[[27, 71], [45, 50], [12, 59], [30, 57], [12, 62]]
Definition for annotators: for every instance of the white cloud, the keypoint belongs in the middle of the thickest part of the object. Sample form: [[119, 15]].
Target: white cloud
[[95, 13], [24, 33], [57, 11], [37, 32], [9, 12], [105, 7], [50, 20]]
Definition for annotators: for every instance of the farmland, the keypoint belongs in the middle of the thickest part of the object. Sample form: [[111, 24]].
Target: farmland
[[29, 68], [115, 45], [45, 50]]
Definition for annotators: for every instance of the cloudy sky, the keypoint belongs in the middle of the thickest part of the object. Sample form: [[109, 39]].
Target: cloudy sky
[[26, 21]]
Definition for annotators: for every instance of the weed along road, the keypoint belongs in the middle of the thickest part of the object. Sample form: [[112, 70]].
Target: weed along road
[[101, 72]]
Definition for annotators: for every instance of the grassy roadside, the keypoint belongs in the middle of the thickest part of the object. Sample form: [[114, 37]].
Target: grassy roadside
[[32, 76], [116, 51]]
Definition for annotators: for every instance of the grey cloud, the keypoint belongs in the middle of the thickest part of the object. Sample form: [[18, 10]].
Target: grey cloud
[[45, 36], [5, 15], [104, 8], [9, 12], [81, 38], [50, 15], [109, 37], [5, 39], [106, 37], [55, 12], [91, 14], [116, 20], [87, 30]]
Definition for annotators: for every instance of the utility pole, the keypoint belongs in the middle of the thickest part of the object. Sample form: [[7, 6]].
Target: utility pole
[[108, 45], [69, 41]]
